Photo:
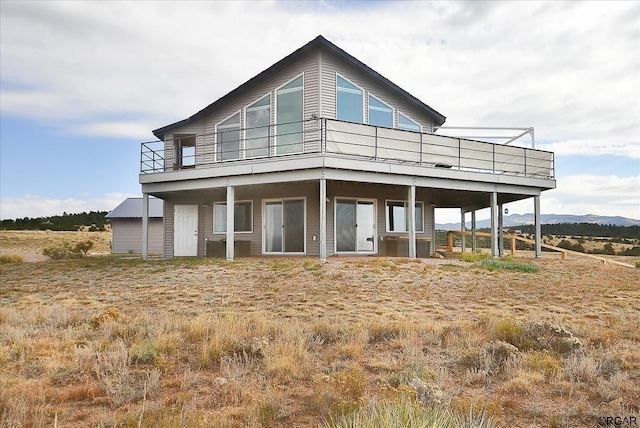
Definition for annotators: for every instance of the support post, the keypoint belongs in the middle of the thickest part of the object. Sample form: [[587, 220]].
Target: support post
[[500, 230], [323, 219], [474, 241], [411, 216], [513, 245], [462, 229], [231, 205], [538, 236], [145, 226], [494, 224]]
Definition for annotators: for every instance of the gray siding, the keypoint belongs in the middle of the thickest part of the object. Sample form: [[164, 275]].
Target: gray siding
[[168, 228], [127, 236]]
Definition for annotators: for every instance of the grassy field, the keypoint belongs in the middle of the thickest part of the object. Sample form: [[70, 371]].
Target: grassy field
[[115, 341]]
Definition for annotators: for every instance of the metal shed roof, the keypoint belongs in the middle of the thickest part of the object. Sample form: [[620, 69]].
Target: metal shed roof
[[132, 208]]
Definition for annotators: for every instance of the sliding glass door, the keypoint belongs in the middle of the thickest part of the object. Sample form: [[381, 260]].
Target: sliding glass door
[[355, 226], [284, 226]]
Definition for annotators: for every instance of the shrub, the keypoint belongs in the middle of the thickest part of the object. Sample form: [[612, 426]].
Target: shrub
[[66, 251], [11, 258], [493, 264], [472, 258], [407, 413]]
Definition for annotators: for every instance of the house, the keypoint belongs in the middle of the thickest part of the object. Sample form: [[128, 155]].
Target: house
[[320, 155], [126, 226]]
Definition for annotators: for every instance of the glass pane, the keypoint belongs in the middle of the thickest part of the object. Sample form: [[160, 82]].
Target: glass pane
[[258, 120], [419, 219], [289, 117], [346, 225], [407, 124], [380, 114], [396, 221], [273, 224], [349, 101], [294, 226], [365, 226], [242, 217], [219, 218], [228, 138], [188, 156]]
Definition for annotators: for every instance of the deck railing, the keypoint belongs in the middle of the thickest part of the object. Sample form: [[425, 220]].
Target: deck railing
[[333, 138]]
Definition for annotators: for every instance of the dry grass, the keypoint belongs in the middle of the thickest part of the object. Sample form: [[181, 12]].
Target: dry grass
[[112, 341]]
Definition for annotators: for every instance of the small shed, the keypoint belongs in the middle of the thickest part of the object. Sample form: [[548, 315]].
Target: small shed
[[126, 226]]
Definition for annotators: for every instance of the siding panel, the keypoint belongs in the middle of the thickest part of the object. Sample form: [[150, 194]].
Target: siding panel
[[127, 236]]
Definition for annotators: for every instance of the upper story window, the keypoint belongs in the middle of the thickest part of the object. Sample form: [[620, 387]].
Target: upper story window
[[184, 151], [228, 138], [289, 116], [380, 114], [398, 219], [408, 124], [349, 101], [257, 122]]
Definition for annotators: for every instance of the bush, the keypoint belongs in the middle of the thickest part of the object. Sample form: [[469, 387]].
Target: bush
[[11, 258], [66, 251], [407, 413], [493, 264]]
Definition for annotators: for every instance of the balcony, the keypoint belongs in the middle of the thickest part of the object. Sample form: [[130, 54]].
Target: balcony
[[316, 142]]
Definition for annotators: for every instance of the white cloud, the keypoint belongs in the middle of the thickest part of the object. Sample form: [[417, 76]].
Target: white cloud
[[593, 148], [589, 194], [577, 195], [39, 206], [570, 69]]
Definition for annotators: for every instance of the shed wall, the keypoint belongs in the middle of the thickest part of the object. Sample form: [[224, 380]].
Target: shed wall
[[127, 236]]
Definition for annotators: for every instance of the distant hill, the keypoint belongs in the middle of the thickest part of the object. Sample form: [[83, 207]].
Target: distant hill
[[526, 219]]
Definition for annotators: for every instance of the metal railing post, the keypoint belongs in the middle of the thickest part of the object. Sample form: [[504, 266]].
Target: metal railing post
[[375, 144]]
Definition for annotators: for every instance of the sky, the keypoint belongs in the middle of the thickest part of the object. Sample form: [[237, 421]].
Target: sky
[[82, 84]]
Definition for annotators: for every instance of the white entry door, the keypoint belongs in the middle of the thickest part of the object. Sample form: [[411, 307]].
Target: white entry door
[[185, 231]]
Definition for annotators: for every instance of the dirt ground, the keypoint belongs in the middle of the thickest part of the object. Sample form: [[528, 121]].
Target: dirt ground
[[442, 309]]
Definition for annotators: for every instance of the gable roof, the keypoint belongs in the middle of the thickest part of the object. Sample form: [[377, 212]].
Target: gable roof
[[317, 43], [132, 208]]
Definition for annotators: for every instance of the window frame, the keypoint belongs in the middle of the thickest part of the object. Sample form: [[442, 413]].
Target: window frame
[[362, 98], [277, 124], [392, 113], [180, 142], [264, 225], [399, 113], [219, 203], [246, 128], [218, 153], [405, 203]]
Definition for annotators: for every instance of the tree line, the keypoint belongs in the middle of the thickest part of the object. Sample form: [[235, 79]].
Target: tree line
[[93, 220], [584, 229]]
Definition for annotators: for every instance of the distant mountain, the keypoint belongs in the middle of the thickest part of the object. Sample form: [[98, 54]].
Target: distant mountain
[[524, 219]]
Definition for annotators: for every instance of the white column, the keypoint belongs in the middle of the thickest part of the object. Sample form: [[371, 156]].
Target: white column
[[411, 215], [462, 228], [473, 232], [231, 204], [500, 231], [323, 219], [494, 224], [145, 226], [536, 215]]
